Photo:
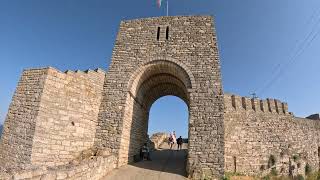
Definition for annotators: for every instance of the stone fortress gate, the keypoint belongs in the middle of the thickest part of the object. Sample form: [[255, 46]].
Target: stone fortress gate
[[156, 57], [54, 116], [54, 112]]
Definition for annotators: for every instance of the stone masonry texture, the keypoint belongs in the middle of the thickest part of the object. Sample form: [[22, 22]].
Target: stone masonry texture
[[52, 117], [56, 117], [256, 130], [94, 169], [146, 65], [67, 116], [19, 127]]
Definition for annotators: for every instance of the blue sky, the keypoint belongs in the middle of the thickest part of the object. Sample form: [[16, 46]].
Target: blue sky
[[257, 40]]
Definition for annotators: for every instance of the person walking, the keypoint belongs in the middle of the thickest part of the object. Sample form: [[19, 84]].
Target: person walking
[[174, 137], [145, 152], [179, 142], [171, 142]]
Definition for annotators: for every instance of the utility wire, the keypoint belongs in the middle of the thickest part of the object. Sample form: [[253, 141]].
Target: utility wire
[[293, 60], [278, 69], [278, 66]]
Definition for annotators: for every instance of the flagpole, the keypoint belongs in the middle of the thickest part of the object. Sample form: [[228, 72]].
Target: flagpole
[[167, 7]]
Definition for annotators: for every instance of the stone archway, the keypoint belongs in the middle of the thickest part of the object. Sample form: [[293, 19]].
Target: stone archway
[[150, 82], [144, 68]]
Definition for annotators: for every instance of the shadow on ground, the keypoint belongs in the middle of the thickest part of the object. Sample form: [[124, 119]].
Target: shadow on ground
[[166, 160], [166, 164]]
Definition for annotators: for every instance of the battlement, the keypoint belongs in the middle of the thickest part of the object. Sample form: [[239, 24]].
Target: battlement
[[97, 71], [236, 102], [96, 74], [88, 71]]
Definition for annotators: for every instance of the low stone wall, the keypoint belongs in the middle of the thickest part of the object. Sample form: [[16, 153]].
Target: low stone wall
[[93, 168], [157, 139]]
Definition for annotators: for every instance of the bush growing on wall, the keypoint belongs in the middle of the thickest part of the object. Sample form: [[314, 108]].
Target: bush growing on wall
[[307, 169], [295, 158], [299, 177], [271, 161], [274, 172]]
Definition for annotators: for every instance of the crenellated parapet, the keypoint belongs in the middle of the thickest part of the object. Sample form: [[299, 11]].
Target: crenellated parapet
[[239, 103], [96, 76], [258, 129], [97, 73], [88, 71]]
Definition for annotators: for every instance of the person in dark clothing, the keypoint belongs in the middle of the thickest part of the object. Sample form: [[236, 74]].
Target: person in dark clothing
[[179, 142], [145, 152]]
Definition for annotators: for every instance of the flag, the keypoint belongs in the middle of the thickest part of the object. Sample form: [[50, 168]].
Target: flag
[[159, 3]]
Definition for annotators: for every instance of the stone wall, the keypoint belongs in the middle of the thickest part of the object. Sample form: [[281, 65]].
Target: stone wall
[[135, 128], [94, 169], [154, 57], [67, 117], [19, 127], [52, 118], [56, 116], [257, 131]]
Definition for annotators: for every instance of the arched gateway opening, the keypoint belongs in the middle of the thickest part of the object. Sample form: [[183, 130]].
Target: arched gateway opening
[[152, 81], [168, 114]]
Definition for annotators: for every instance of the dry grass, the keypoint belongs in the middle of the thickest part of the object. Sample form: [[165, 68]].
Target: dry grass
[[312, 176], [242, 178]]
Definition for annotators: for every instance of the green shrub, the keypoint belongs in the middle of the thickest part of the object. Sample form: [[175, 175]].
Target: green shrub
[[271, 161], [274, 172], [295, 158], [313, 176], [307, 169], [299, 177], [267, 177], [228, 175], [282, 178]]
